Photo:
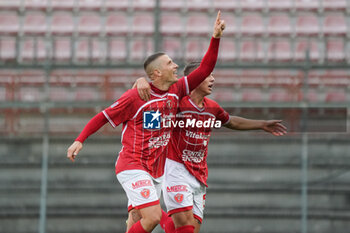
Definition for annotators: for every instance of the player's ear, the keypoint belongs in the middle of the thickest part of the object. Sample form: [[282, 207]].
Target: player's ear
[[157, 72]]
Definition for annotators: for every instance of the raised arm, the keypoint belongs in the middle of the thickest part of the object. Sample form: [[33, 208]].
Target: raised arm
[[271, 126], [209, 60]]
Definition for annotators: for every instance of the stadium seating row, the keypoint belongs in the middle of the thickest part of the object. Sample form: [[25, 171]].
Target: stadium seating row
[[66, 23], [231, 85], [192, 5], [115, 49]]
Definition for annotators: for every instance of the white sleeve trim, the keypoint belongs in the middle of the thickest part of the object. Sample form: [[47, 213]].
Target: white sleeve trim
[[109, 119], [229, 118], [187, 86]]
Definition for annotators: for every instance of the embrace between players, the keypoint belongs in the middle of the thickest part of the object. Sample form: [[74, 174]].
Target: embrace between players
[[168, 159]]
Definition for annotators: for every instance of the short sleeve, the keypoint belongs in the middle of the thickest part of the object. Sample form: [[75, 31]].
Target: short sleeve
[[222, 115], [122, 110]]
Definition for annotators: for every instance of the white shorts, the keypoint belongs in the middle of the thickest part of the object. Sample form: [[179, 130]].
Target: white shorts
[[182, 191], [141, 188]]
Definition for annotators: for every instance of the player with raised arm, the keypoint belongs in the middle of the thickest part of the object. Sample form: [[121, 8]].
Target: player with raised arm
[[186, 171], [140, 164]]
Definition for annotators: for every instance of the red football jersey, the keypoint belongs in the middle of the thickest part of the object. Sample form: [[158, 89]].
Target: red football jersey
[[189, 144], [145, 148]]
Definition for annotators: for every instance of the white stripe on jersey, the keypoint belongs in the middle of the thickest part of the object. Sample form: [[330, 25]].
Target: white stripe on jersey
[[199, 113], [193, 144], [187, 86], [227, 120], [126, 126], [174, 95], [162, 96], [149, 102], [109, 119], [194, 105]]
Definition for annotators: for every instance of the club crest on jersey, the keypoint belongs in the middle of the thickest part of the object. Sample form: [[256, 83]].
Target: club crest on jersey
[[169, 104], [145, 193], [179, 197], [151, 119]]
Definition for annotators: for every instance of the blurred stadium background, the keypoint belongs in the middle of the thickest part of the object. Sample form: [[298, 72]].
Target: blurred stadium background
[[63, 61]]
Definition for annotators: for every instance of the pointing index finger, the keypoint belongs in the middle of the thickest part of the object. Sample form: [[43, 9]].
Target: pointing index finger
[[218, 16]]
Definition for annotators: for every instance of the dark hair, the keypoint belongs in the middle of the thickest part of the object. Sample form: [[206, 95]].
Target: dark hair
[[191, 67], [151, 58]]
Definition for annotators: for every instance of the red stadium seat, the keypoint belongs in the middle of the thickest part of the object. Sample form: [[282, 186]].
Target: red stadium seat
[[62, 49], [335, 50], [90, 5], [302, 46], [231, 25], [32, 49], [86, 94], [313, 96], [252, 95], [116, 5], [89, 24], [195, 49], [336, 96], [280, 50], [307, 5], [251, 50], [171, 24], [34, 24], [198, 5], [227, 5], [89, 50], [141, 48], [62, 24], [7, 49], [279, 25], [172, 46], [10, 4], [117, 49], [252, 25], [334, 78], [223, 95], [30, 94], [281, 96], [335, 24], [252, 5], [228, 51], [61, 93], [143, 4], [171, 5], [35, 5], [143, 24], [117, 24], [280, 5], [9, 23], [67, 5], [307, 24], [337, 5], [198, 24]]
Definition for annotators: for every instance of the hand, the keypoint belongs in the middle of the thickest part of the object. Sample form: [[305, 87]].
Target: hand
[[143, 88], [274, 127], [73, 150], [219, 26]]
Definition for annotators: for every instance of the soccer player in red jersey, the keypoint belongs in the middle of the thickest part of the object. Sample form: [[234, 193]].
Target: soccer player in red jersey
[[186, 171], [140, 164]]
